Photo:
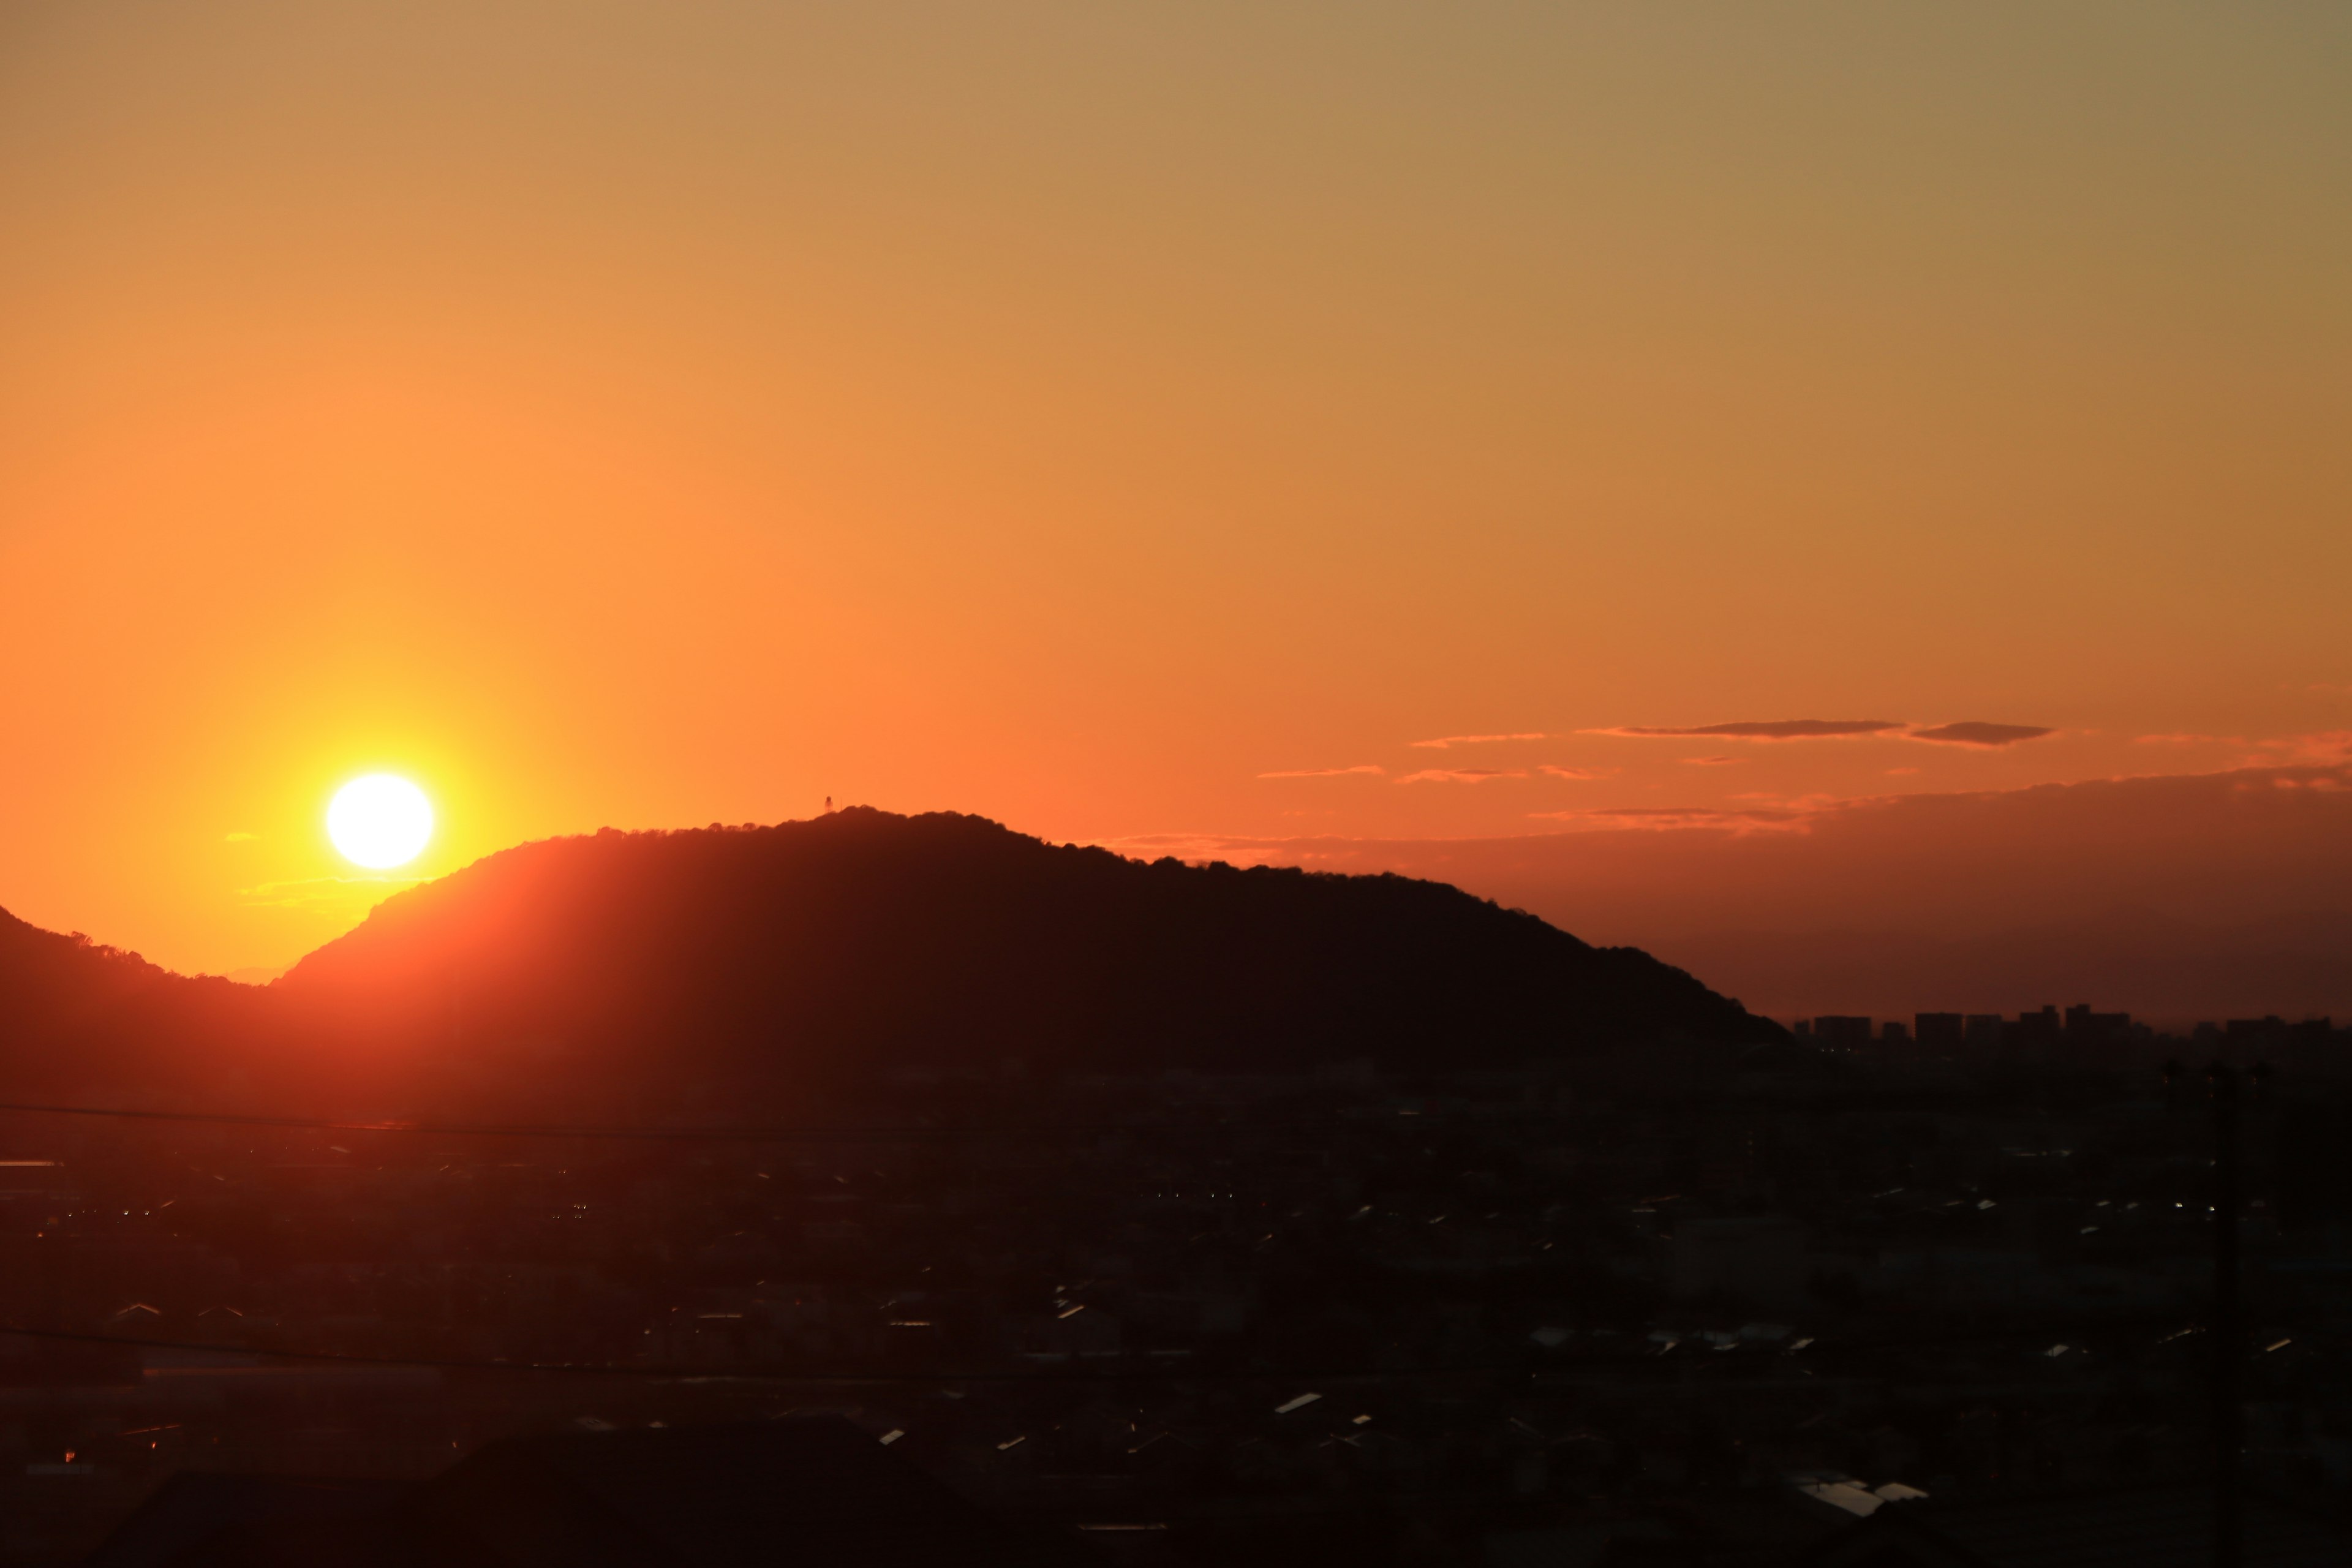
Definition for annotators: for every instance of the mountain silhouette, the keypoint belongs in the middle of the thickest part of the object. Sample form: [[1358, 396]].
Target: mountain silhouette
[[759, 969], [77, 1015]]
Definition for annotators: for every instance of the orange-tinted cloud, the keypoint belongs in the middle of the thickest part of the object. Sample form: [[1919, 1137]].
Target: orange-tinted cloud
[[1324, 773], [1443, 743], [1554, 770], [2323, 747], [1462, 775], [1975, 733], [1768, 729], [350, 894], [1660, 818], [1710, 762]]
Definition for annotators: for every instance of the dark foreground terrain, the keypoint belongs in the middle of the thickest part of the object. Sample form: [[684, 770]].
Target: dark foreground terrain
[[1671, 1304]]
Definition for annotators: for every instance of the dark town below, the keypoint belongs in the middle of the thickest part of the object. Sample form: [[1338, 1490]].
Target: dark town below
[[1869, 1294]]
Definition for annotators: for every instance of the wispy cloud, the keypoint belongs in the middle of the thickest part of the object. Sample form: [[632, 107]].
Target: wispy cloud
[[1712, 762], [2322, 746], [1324, 773], [1554, 770], [1462, 775], [1765, 730], [239, 837], [1975, 732], [1442, 742], [1662, 818], [311, 891], [2326, 746], [1190, 846]]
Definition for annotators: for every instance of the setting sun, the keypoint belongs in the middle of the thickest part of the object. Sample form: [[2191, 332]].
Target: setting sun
[[380, 821]]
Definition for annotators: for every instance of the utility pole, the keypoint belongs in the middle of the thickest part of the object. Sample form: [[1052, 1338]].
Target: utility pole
[[2229, 1331]]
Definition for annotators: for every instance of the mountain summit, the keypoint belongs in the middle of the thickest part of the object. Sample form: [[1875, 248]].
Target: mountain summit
[[759, 967]]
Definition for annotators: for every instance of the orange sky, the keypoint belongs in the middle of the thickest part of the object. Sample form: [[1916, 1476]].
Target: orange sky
[[653, 414]]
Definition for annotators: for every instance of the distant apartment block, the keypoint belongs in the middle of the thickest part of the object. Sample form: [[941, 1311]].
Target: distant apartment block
[[1938, 1031]]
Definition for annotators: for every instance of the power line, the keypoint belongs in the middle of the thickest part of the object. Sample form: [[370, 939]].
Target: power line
[[767, 1374], [1819, 1348], [849, 1134], [679, 1135]]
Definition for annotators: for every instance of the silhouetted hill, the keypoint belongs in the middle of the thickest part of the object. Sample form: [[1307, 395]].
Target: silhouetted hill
[[823, 952], [760, 969], [74, 1014]]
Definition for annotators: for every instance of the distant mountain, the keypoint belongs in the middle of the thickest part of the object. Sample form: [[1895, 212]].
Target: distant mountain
[[763, 968]]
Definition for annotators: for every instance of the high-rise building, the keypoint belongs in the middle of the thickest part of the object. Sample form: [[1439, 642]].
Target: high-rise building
[[1938, 1031], [1846, 1032]]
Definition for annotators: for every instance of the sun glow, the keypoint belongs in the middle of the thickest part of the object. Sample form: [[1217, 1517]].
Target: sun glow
[[380, 821]]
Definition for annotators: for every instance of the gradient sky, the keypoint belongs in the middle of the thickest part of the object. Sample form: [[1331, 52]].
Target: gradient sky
[[1155, 424]]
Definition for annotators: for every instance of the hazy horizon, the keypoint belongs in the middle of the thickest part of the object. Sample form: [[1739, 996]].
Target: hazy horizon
[[2227, 902]]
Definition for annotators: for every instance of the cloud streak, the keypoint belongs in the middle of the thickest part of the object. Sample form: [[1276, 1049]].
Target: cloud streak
[[1462, 775], [2326, 747], [1764, 730], [2322, 747], [1662, 818], [309, 892], [1325, 773], [1446, 742], [1966, 732], [1975, 732]]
